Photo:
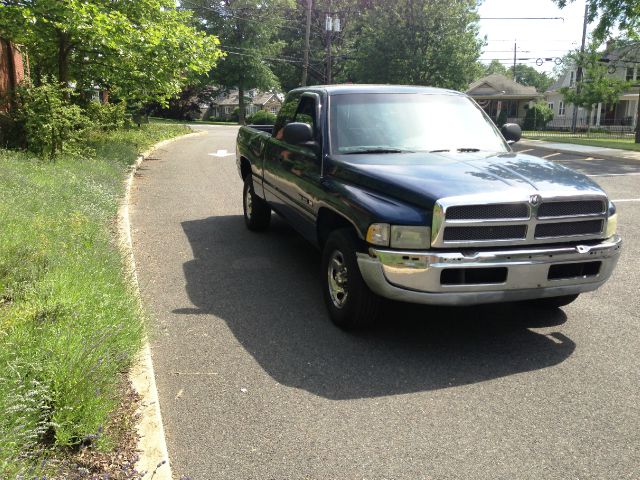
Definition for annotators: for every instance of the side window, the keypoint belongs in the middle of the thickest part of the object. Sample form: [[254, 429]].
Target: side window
[[286, 113], [307, 112]]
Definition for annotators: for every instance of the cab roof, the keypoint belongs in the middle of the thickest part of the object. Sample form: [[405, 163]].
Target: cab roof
[[356, 88]]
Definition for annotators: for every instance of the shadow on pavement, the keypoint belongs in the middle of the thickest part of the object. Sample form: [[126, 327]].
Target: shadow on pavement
[[588, 167], [267, 288]]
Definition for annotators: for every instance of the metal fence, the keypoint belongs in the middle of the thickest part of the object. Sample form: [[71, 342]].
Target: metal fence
[[619, 128]]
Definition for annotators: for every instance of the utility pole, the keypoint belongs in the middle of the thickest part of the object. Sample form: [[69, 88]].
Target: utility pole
[[574, 117], [307, 35], [329, 28], [515, 46]]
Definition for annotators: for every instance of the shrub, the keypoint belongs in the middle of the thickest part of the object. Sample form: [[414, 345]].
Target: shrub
[[107, 116], [538, 116], [51, 123], [262, 117]]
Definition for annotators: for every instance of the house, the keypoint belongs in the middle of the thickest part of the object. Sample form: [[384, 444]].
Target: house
[[12, 66], [624, 64], [495, 93], [225, 104]]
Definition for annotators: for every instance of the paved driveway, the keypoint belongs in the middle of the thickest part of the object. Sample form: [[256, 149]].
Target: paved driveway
[[256, 383]]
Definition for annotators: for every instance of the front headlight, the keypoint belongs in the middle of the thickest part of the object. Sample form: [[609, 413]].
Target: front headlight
[[410, 237], [378, 234], [612, 225]]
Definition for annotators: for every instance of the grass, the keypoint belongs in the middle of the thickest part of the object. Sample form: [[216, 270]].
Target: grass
[[69, 320], [191, 122], [620, 143]]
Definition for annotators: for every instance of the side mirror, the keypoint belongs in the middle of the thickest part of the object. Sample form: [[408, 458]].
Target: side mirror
[[297, 133], [511, 132]]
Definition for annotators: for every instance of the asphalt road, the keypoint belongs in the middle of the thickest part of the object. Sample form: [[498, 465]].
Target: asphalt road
[[256, 383]]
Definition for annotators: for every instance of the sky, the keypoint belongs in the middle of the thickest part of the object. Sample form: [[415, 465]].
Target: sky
[[534, 38]]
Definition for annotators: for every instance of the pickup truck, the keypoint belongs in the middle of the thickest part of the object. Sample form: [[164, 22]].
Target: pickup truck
[[413, 194]]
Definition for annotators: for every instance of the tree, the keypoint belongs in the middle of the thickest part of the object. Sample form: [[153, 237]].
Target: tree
[[529, 76], [596, 86], [248, 31], [612, 14], [418, 42], [144, 50], [495, 67]]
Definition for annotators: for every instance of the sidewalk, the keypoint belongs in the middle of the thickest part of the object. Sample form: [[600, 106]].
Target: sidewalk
[[584, 150]]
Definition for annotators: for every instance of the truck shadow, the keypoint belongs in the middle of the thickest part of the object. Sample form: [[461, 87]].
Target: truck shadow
[[267, 289]]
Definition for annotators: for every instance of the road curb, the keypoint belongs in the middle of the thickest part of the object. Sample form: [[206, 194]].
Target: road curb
[[154, 458], [540, 144]]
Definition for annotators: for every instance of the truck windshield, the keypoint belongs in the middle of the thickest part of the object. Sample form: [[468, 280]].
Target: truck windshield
[[401, 122]]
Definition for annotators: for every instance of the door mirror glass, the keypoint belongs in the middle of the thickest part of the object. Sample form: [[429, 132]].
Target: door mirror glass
[[297, 133], [511, 132]]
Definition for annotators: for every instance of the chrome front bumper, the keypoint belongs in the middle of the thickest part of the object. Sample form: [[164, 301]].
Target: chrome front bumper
[[415, 277]]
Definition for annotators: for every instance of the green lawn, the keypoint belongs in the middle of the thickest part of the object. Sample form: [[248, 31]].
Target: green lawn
[[621, 143], [193, 122], [70, 324]]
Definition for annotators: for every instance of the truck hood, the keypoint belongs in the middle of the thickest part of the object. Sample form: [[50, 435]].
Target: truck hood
[[423, 178]]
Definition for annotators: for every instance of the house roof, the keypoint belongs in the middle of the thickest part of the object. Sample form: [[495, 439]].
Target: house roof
[[500, 87]]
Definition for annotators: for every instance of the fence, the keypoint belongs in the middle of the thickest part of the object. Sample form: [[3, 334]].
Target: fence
[[619, 128]]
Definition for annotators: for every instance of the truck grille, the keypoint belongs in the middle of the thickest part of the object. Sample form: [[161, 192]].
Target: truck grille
[[550, 220], [567, 209], [502, 232], [485, 212], [568, 229]]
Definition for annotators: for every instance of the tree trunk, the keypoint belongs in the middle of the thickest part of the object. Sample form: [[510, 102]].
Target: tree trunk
[[64, 49], [241, 107], [11, 71]]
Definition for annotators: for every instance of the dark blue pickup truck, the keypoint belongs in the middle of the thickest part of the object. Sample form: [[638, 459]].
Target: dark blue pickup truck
[[413, 194]]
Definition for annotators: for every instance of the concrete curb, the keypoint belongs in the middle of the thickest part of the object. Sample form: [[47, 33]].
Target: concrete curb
[[542, 145], [154, 458]]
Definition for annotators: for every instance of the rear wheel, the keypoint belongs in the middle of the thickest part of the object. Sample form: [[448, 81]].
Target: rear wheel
[[257, 213], [349, 301], [554, 302]]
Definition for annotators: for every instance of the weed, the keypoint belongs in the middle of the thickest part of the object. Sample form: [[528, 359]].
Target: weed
[[70, 324]]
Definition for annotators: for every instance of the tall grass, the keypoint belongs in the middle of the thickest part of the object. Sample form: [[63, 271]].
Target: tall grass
[[69, 320]]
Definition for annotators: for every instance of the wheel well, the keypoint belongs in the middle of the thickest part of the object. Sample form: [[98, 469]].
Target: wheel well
[[245, 168], [328, 221]]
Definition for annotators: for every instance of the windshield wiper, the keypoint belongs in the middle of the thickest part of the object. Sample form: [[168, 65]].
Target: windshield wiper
[[377, 150], [461, 150]]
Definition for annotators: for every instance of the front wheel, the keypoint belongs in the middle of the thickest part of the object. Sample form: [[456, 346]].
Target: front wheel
[[349, 301], [554, 302], [257, 213]]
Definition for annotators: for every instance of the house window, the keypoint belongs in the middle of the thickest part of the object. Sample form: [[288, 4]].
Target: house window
[[273, 109], [551, 105], [572, 79], [631, 74], [561, 109], [227, 110]]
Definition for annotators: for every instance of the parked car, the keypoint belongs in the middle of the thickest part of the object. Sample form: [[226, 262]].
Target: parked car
[[413, 194]]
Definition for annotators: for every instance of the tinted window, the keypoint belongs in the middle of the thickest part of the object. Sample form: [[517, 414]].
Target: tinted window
[[307, 112], [286, 113], [411, 122]]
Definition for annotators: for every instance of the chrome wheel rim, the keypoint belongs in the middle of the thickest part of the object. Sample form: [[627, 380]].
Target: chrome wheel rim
[[248, 203], [338, 279]]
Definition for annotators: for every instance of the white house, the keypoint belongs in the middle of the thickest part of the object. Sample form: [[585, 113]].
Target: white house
[[624, 64]]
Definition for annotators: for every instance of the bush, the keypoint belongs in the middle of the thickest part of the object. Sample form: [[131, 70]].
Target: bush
[[107, 116], [51, 123], [538, 116], [262, 117]]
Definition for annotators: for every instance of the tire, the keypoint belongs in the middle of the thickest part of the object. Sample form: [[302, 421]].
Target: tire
[[554, 302], [350, 303], [257, 213]]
